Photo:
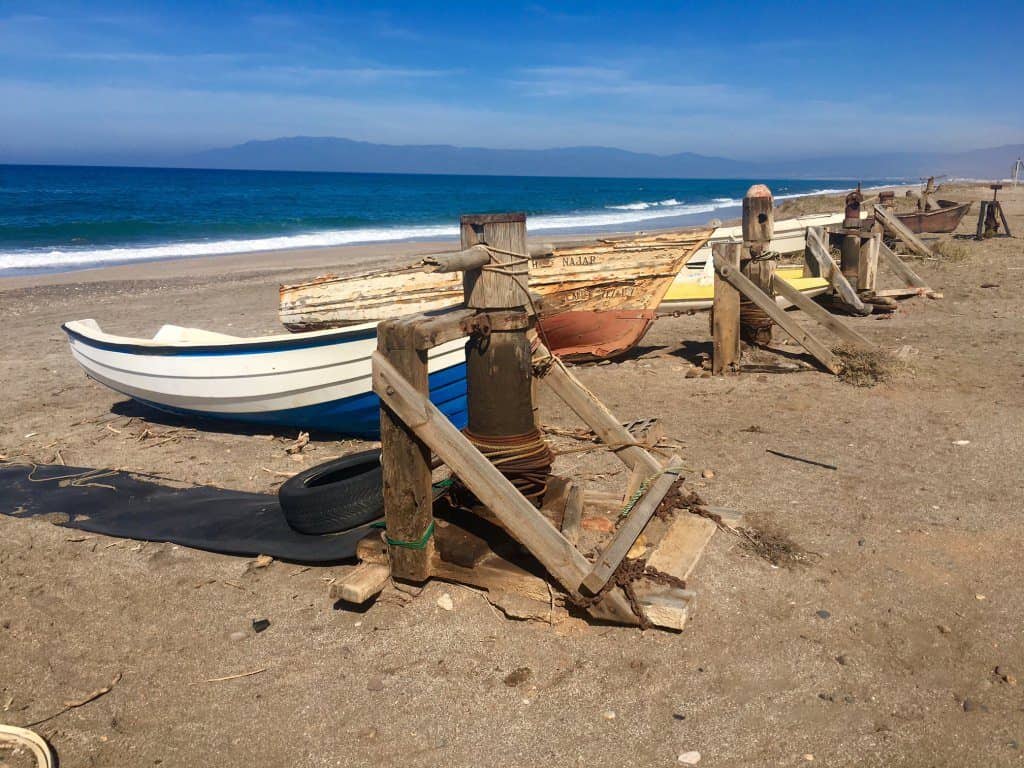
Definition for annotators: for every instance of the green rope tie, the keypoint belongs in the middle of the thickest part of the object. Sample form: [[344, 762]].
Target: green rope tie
[[420, 543], [643, 489]]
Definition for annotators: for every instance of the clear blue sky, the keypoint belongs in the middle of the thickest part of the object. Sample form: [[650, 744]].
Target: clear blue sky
[[743, 80]]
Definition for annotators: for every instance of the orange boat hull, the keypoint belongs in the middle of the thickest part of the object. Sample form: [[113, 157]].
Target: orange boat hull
[[595, 334]]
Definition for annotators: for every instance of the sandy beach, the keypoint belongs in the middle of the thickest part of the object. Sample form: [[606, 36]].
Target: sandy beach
[[879, 647]]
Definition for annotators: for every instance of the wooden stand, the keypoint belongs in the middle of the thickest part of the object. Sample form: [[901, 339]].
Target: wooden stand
[[473, 548], [990, 215], [734, 266], [756, 264]]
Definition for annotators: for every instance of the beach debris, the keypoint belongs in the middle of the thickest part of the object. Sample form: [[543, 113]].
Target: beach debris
[[961, 442], [689, 758], [234, 637], [822, 614], [444, 602], [236, 677], [22, 738], [260, 625], [708, 474], [76, 703], [802, 459], [608, 714], [943, 628], [600, 524], [865, 366], [262, 561]]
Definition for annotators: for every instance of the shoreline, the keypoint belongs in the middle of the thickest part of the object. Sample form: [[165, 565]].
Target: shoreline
[[351, 257]]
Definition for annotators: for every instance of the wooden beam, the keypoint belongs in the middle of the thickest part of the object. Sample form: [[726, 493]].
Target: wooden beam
[[517, 515], [819, 313], [898, 229], [901, 269], [633, 526], [595, 415], [573, 515], [405, 459], [867, 267], [725, 316], [820, 257], [359, 585], [435, 328], [822, 353]]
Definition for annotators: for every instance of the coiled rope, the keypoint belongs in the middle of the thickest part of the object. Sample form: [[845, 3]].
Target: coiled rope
[[524, 459]]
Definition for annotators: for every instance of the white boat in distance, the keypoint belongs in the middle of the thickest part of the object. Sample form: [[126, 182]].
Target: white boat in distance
[[313, 381]]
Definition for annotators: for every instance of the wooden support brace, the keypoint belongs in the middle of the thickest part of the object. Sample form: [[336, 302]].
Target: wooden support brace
[[516, 514], [433, 329], [816, 312], [898, 229], [1002, 216], [822, 265], [634, 525], [767, 303], [408, 497], [595, 415], [902, 270], [725, 316]]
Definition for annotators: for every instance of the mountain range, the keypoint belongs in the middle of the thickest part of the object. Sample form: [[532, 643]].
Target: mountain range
[[306, 153]]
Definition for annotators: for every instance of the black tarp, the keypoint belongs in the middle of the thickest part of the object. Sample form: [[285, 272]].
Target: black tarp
[[128, 506]]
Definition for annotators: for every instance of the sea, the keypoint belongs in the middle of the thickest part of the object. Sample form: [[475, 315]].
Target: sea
[[61, 218]]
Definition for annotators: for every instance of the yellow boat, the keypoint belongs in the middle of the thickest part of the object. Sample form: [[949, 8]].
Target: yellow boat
[[694, 288]]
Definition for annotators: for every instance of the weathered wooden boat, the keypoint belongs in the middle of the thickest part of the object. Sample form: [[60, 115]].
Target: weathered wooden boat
[[695, 290], [312, 381], [694, 287], [596, 298], [943, 220]]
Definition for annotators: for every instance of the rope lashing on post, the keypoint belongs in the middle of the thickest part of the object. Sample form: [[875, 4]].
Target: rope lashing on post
[[751, 315], [502, 269], [524, 459]]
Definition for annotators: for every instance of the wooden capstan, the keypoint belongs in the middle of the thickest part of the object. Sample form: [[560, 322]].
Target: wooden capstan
[[633, 580]]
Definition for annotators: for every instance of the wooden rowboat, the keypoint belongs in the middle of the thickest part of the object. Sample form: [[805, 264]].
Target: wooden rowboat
[[943, 220], [596, 298], [318, 380]]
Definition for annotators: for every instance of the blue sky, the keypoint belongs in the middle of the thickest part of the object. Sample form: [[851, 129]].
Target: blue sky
[[764, 80]]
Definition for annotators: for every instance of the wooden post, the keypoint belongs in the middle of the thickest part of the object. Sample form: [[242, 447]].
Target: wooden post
[[867, 262], [408, 501], [849, 256], [725, 314], [501, 356], [758, 228]]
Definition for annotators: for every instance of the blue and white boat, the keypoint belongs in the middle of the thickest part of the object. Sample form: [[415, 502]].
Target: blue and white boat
[[313, 381]]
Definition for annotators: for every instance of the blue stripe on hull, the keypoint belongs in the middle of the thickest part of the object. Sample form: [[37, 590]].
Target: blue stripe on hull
[[357, 416]]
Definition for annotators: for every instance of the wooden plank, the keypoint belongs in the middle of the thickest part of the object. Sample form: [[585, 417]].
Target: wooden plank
[[982, 216], [867, 267], [725, 317], [573, 515], [367, 580], [1002, 216], [595, 415], [494, 490], [405, 459], [633, 526], [682, 545], [898, 229], [819, 313], [901, 269], [827, 269], [822, 353]]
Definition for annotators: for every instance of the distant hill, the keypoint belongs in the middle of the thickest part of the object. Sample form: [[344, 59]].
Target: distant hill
[[305, 153]]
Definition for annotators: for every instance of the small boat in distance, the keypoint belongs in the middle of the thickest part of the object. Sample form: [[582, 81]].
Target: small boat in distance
[[597, 298], [312, 381], [941, 221]]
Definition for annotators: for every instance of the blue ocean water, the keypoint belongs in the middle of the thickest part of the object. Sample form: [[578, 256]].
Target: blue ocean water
[[56, 218]]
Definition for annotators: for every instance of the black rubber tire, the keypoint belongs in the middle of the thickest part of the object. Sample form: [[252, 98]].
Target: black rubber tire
[[334, 496]]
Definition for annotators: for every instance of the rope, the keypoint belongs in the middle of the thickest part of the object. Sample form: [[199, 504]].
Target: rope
[[420, 543], [752, 317], [643, 489], [524, 459], [501, 269], [23, 737]]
